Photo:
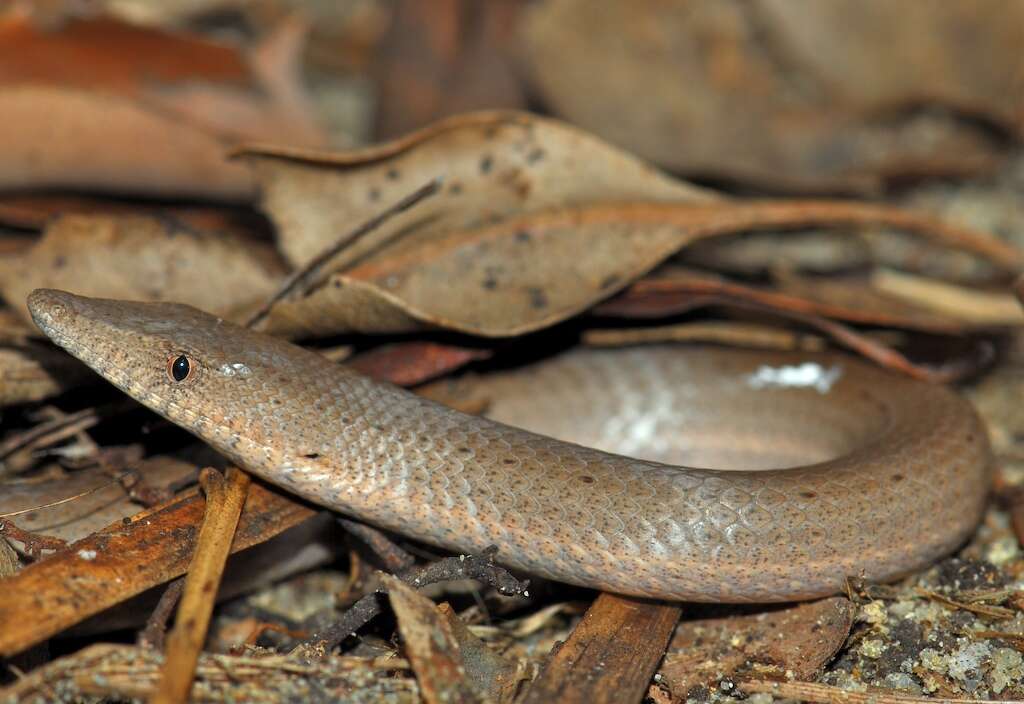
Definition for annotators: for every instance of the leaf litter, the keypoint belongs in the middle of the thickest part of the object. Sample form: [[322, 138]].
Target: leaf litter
[[593, 203], [584, 221]]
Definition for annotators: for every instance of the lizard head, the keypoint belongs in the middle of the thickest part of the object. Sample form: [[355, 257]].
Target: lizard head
[[210, 376]]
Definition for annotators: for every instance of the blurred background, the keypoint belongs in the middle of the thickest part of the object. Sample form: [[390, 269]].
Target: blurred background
[[776, 95]]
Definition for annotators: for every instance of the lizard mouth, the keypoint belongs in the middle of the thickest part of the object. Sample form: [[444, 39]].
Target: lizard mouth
[[48, 306], [57, 313], [54, 313]]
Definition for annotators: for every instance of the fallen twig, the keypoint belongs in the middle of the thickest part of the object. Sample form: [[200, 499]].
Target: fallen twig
[[225, 497], [392, 555], [153, 634], [480, 568]]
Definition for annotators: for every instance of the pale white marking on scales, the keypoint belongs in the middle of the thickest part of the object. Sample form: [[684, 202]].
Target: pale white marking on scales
[[808, 374]]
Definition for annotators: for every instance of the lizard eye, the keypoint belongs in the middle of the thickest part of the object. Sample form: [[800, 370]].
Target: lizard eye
[[179, 368]]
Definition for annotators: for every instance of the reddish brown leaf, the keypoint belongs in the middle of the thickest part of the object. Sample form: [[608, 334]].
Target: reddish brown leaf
[[106, 54], [61, 138], [101, 105], [411, 363]]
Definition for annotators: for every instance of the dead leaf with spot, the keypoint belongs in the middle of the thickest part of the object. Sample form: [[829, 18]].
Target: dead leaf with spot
[[813, 95], [101, 105], [533, 270], [493, 165], [144, 258]]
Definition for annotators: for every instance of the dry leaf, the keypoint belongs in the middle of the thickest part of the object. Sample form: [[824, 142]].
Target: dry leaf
[[32, 372], [531, 271], [89, 512], [63, 138], [253, 93], [494, 164], [536, 222], [144, 258], [431, 645], [964, 55], [101, 105], [723, 89], [274, 107]]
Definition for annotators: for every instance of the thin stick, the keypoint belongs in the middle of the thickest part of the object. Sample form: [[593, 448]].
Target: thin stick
[[317, 263], [155, 632], [480, 568], [225, 498]]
